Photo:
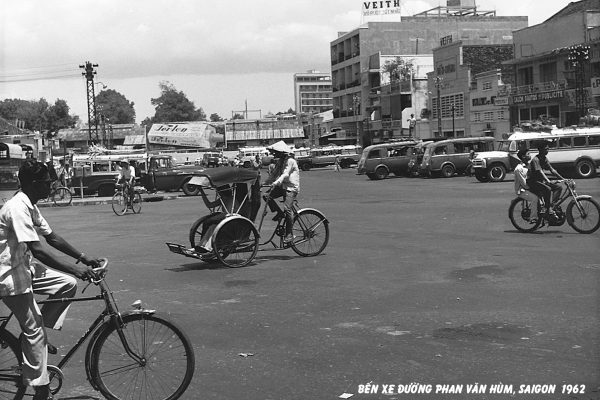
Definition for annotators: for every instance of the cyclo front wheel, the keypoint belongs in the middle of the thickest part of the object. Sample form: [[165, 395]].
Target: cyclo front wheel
[[166, 364], [235, 242], [119, 203], [519, 214], [11, 383], [62, 197], [586, 217], [311, 233]]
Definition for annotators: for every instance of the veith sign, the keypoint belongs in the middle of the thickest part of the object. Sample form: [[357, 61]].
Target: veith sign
[[381, 7]]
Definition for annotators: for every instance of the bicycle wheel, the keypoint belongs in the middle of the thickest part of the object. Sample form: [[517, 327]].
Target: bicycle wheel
[[11, 383], [167, 364], [235, 243], [62, 197], [119, 203], [311, 233], [519, 214], [136, 203], [586, 220]]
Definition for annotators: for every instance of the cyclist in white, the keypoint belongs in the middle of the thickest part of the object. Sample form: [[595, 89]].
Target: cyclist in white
[[127, 177], [521, 187]]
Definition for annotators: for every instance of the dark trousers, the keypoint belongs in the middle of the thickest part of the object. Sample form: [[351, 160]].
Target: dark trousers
[[288, 200], [545, 191]]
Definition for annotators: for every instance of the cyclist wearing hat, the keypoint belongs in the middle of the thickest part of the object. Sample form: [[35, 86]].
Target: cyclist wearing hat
[[285, 180], [127, 177]]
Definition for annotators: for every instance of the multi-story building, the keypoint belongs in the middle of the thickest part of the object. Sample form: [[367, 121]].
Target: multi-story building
[[413, 35], [312, 92], [557, 67], [489, 115], [460, 104]]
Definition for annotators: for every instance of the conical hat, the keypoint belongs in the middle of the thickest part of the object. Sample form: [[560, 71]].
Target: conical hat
[[280, 147]]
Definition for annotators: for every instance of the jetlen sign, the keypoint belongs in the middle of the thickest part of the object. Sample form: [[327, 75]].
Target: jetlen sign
[[384, 7]]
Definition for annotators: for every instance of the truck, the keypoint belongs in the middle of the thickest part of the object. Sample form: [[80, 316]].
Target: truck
[[96, 174]]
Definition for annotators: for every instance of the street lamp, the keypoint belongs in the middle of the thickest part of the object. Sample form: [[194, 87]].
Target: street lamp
[[453, 131], [438, 84], [356, 104]]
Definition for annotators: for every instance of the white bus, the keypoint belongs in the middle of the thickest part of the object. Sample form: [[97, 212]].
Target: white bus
[[576, 149]]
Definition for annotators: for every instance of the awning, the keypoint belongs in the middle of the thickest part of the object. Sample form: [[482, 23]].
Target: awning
[[328, 134], [135, 139]]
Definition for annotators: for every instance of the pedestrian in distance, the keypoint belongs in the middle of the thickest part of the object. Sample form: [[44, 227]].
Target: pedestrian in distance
[[336, 164], [21, 276], [412, 123]]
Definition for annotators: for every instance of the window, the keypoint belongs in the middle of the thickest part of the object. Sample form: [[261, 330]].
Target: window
[[488, 116], [579, 141], [375, 153], [440, 150], [477, 117], [594, 140], [548, 72], [564, 142], [487, 85], [500, 114]]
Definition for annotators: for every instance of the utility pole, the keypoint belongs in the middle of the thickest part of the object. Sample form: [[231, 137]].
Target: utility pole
[[579, 55], [91, 98]]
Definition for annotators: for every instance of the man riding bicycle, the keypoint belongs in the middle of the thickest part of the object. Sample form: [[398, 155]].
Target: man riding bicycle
[[127, 178], [21, 276], [539, 183]]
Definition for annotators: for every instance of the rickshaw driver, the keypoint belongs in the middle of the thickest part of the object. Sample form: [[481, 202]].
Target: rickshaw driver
[[285, 181], [127, 177]]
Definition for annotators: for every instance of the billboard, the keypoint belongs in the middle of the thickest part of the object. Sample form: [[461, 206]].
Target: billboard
[[186, 134]]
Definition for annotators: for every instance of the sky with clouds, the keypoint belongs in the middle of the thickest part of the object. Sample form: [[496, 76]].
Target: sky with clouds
[[221, 54]]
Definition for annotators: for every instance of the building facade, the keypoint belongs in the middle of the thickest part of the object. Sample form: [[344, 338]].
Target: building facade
[[312, 92], [557, 67], [414, 35], [463, 93]]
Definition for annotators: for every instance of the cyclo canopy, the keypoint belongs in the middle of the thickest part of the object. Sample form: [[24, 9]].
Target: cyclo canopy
[[221, 176]]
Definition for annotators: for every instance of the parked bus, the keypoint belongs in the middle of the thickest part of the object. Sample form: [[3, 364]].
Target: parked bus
[[324, 156], [12, 157], [571, 151]]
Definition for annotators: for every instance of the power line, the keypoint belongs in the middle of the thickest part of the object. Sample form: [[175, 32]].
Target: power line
[[39, 78]]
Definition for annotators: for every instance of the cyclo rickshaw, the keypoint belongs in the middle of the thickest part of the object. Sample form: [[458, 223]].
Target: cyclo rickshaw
[[236, 239]]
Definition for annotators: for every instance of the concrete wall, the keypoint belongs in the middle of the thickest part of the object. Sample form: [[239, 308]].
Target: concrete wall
[[546, 37]]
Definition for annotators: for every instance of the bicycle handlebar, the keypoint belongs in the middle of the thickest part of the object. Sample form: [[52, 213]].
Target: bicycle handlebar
[[100, 271]]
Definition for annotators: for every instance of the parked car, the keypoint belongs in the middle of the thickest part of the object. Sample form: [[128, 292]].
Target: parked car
[[96, 174], [379, 160], [451, 156]]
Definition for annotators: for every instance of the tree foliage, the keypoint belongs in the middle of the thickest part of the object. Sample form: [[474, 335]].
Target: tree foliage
[[214, 117], [38, 115], [237, 116], [399, 69], [115, 107], [174, 106]]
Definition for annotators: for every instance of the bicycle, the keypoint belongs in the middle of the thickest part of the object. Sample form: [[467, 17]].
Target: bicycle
[[132, 355], [236, 239], [60, 195], [121, 201], [582, 213]]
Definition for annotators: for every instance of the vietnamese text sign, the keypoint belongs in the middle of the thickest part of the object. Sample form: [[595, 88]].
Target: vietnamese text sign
[[534, 97], [188, 134]]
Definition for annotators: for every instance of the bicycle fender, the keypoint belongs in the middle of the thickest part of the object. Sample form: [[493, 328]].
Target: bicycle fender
[[232, 217], [91, 344], [315, 211], [584, 196]]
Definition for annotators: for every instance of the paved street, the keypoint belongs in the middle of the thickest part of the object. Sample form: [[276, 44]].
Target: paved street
[[423, 281]]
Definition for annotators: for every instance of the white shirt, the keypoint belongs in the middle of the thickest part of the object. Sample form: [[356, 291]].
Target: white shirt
[[127, 173], [20, 222], [520, 179]]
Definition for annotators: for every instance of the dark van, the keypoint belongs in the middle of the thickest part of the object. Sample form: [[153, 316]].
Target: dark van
[[451, 156], [380, 160]]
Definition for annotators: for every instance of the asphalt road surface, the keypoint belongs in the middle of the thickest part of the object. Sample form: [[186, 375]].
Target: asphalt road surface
[[424, 281]]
